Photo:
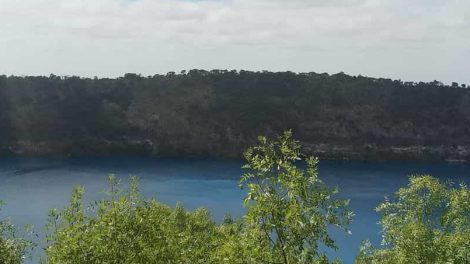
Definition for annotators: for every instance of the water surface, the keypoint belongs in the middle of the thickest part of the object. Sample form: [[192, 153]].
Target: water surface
[[32, 186]]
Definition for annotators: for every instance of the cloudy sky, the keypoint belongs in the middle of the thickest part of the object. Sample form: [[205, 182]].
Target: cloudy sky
[[400, 39]]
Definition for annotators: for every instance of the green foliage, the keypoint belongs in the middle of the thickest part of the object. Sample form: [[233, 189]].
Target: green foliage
[[13, 248], [289, 208], [429, 222], [126, 228]]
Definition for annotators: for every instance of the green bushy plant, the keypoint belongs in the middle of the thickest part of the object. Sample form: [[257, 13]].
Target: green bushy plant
[[289, 208], [125, 228], [428, 222], [13, 247]]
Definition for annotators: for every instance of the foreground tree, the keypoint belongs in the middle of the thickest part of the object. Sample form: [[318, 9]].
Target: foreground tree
[[429, 222], [289, 208]]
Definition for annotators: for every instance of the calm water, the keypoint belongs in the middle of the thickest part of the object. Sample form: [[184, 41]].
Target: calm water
[[31, 186]]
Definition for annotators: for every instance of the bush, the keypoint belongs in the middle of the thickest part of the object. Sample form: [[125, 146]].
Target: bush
[[13, 248], [290, 209], [429, 222], [128, 229]]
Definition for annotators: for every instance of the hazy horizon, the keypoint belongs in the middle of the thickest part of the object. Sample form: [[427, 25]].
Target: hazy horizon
[[238, 70]]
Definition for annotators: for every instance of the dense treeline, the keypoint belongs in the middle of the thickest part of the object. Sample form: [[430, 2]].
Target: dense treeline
[[219, 113], [289, 218]]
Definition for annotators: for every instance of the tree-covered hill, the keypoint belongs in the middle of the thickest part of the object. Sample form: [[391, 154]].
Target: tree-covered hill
[[219, 113]]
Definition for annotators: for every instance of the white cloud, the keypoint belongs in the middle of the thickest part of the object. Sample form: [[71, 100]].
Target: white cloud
[[407, 39]]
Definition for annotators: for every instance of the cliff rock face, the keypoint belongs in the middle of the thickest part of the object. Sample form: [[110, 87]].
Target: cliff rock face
[[218, 114]]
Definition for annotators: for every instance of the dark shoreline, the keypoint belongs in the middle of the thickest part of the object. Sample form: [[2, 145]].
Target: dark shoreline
[[367, 152]]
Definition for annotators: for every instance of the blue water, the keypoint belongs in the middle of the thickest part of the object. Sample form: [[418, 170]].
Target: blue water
[[32, 186]]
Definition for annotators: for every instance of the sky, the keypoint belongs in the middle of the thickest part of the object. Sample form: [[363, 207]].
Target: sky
[[411, 40]]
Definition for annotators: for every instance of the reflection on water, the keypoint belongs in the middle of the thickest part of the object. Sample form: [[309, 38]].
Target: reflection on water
[[31, 186]]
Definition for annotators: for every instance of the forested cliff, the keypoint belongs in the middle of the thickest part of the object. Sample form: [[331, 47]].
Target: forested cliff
[[199, 114]]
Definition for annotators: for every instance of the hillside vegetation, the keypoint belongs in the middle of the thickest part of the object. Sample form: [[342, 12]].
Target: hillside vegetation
[[219, 113]]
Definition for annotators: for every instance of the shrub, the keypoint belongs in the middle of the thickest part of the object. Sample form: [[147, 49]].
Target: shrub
[[289, 208], [13, 248], [428, 222], [125, 228]]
